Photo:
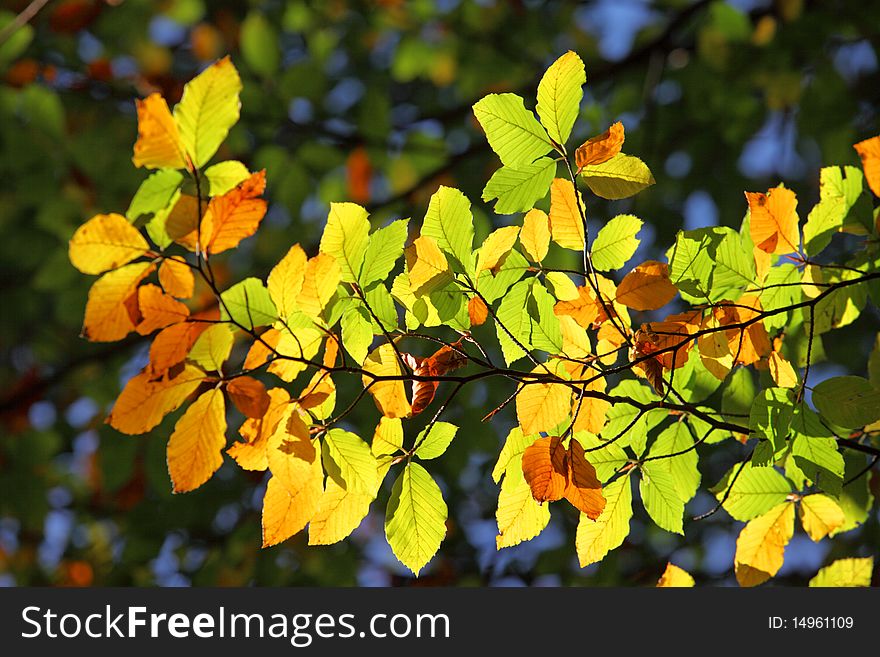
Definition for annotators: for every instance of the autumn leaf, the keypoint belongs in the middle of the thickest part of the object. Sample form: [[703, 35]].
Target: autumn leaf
[[112, 300], [845, 573], [148, 398], [252, 454], [646, 287], [674, 577], [321, 277], [535, 234], [519, 516], [182, 222], [427, 266], [869, 152], [820, 516], [195, 449], [158, 309], [542, 406], [583, 489], [159, 144], [566, 225], [761, 545], [478, 312], [774, 220], [286, 279], [287, 510], [105, 242], [176, 278], [782, 372], [249, 396], [545, 468], [390, 396], [496, 248], [339, 513], [235, 215], [599, 150], [172, 344]]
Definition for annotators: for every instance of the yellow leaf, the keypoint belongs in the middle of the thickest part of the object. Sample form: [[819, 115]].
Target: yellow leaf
[[158, 143], [388, 437], [820, 516], [496, 248], [158, 309], [845, 573], [646, 287], [195, 449], [542, 406], [208, 108], [535, 234], [774, 221], [290, 450], [213, 347], [390, 396], [108, 316], [319, 283], [575, 341], [586, 309], [182, 222], [602, 148], [596, 538], [760, 547], [591, 416], [675, 577], [782, 371], [235, 215], [762, 264], [287, 511], [146, 399], [104, 242], [715, 349], [286, 280], [566, 225], [869, 152], [176, 278], [427, 266], [319, 396], [293, 349], [253, 453], [519, 516], [339, 513]]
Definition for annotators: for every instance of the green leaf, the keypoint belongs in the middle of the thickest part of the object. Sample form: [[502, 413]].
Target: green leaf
[[515, 444], [450, 222], [736, 400], [849, 401], [17, 41], [874, 363], [259, 45], [382, 304], [856, 498], [559, 96], [820, 461], [845, 573], [754, 492], [435, 443], [154, 194], [734, 266], [677, 439], [248, 304], [356, 463], [660, 497], [621, 416], [512, 131], [779, 292], [519, 187], [596, 538], [620, 177], [691, 263], [771, 414], [156, 226], [607, 458], [345, 238], [224, 176], [545, 333], [837, 195], [511, 316], [512, 270], [616, 242], [415, 520], [383, 250], [213, 347], [208, 109], [357, 333]]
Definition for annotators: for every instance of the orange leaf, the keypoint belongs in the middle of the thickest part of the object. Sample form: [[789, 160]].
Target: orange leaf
[[439, 363], [869, 152], [359, 172], [261, 349], [592, 411], [158, 143], [107, 316], [774, 221], [545, 468], [477, 311], [252, 454], [646, 287], [195, 449], [331, 350], [182, 222], [249, 396], [176, 278], [234, 216], [171, 345], [586, 310], [602, 148], [158, 309], [148, 398], [584, 490], [287, 510]]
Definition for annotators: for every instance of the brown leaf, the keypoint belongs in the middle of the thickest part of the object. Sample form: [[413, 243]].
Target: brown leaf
[[249, 396], [602, 148], [584, 490], [545, 468]]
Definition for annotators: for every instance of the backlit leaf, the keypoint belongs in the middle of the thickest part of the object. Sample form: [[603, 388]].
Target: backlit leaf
[[195, 449], [616, 242], [248, 304], [845, 573], [157, 309], [436, 442], [356, 463], [674, 577], [535, 234], [620, 177], [820, 516], [428, 268], [148, 398], [390, 396], [234, 216], [496, 247], [559, 96], [583, 488], [869, 152], [287, 510], [760, 547], [177, 278], [285, 282], [104, 242], [566, 224], [339, 513], [415, 520], [596, 538], [661, 497], [249, 396], [108, 315], [383, 250], [519, 516], [450, 224], [755, 491], [512, 131], [646, 287], [159, 142], [542, 406], [224, 176], [519, 187], [545, 467], [774, 220], [600, 149], [345, 237]]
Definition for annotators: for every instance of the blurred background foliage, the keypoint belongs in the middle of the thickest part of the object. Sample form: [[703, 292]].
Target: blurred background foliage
[[370, 102]]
